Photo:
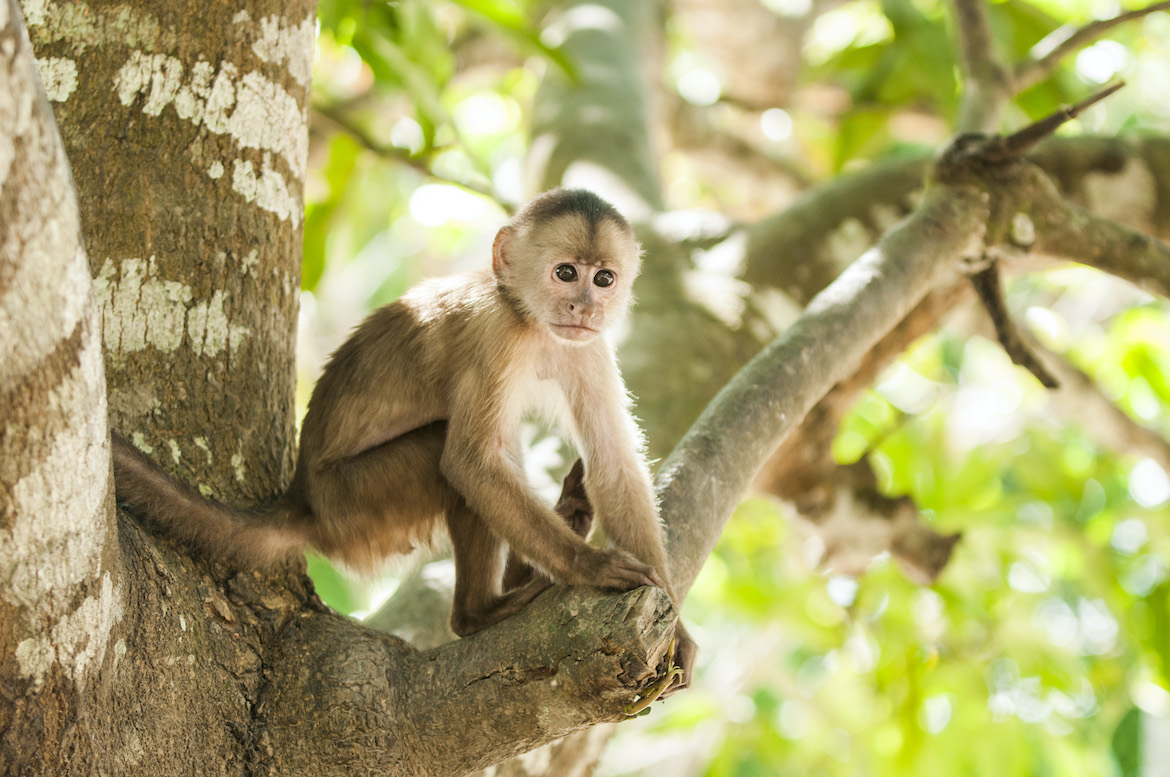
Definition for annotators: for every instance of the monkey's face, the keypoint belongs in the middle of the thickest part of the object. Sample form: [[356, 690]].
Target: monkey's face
[[571, 277], [579, 297]]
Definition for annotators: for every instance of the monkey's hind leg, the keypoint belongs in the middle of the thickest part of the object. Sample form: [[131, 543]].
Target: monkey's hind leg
[[574, 506], [479, 560], [383, 502]]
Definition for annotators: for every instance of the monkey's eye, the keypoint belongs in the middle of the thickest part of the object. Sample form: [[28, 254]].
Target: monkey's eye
[[603, 278], [565, 272]]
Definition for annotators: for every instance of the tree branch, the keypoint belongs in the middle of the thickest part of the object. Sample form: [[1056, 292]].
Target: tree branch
[[1022, 141], [1069, 232], [802, 470], [1014, 342], [345, 699], [1048, 53], [987, 82], [796, 249], [706, 475]]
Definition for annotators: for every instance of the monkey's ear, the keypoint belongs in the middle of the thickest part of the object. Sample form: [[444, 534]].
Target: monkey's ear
[[500, 248]]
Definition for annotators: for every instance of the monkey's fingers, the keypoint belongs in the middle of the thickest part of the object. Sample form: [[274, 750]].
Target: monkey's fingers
[[684, 655], [623, 572], [627, 579]]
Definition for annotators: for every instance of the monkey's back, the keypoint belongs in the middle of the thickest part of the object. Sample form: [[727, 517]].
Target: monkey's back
[[398, 369]]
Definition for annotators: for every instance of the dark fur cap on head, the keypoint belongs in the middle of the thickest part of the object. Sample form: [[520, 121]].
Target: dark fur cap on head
[[559, 202]]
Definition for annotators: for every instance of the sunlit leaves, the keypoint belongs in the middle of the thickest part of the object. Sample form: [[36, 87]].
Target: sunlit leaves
[[1050, 626], [510, 17], [1048, 636]]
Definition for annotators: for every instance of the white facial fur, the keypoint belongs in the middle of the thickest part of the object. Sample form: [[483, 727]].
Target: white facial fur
[[592, 288]]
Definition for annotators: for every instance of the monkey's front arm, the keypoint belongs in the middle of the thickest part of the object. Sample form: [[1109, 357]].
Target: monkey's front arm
[[617, 480], [477, 464]]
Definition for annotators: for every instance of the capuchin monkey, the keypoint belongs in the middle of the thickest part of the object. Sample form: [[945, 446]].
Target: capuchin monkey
[[416, 418]]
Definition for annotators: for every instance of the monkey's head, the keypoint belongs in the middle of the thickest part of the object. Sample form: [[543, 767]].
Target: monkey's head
[[568, 262]]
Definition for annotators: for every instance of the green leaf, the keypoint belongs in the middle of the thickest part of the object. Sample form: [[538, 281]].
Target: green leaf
[[861, 134], [320, 216], [1148, 362], [508, 17], [333, 589], [1126, 744]]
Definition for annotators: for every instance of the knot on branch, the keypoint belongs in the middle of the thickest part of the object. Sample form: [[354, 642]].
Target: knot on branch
[[995, 163], [978, 154]]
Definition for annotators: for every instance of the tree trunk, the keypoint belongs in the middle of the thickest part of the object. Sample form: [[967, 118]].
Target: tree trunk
[[120, 654], [62, 595], [186, 128]]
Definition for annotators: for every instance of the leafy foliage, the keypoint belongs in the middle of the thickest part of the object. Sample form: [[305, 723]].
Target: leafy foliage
[[1045, 646]]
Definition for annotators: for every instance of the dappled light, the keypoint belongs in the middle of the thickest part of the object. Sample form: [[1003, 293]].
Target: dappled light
[[899, 362], [1048, 622]]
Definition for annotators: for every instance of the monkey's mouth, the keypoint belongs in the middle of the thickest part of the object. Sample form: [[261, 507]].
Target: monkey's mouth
[[575, 331]]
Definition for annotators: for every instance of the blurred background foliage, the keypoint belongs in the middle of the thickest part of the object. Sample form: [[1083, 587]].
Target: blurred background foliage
[[1045, 646]]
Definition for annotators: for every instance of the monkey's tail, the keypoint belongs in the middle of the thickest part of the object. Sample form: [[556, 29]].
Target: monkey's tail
[[250, 539]]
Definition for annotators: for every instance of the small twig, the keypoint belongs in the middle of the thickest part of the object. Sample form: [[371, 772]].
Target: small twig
[[987, 284], [1065, 40], [987, 84], [1067, 231], [976, 150], [396, 153], [1019, 143]]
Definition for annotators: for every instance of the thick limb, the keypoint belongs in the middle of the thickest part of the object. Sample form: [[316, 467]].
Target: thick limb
[[479, 600], [573, 505], [477, 464]]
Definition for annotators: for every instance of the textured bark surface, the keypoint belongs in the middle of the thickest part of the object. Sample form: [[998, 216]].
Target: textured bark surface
[[568, 661], [194, 299], [119, 654], [186, 128], [62, 590]]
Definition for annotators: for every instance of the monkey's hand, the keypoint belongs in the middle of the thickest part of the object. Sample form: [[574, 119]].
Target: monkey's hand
[[612, 568]]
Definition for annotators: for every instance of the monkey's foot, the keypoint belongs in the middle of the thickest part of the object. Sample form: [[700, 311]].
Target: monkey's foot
[[651, 693], [468, 618]]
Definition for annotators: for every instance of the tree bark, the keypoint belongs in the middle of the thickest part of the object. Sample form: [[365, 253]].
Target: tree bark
[[62, 590], [119, 654], [186, 128]]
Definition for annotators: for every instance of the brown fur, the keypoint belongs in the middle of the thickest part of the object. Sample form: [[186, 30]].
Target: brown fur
[[415, 420]]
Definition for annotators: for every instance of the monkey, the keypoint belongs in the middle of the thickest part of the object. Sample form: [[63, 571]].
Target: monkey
[[414, 423]]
